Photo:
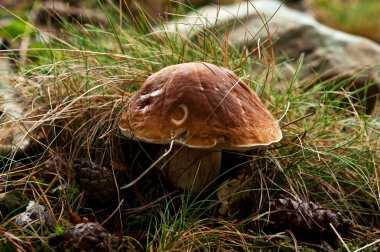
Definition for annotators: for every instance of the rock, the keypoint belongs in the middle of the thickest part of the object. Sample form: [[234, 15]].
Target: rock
[[12, 136], [35, 213], [18, 106], [55, 11], [155, 9], [328, 53]]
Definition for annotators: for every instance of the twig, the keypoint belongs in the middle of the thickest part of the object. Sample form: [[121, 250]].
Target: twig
[[368, 245], [339, 237], [149, 168], [286, 111], [303, 117], [117, 208]]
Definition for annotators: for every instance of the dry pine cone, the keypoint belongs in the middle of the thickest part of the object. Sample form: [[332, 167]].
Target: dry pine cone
[[86, 237], [97, 182], [307, 220], [56, 163]]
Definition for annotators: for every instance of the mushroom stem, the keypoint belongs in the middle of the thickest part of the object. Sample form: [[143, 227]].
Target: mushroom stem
[[191, 169]]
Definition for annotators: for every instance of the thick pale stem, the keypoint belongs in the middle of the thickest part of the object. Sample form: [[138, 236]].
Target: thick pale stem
[[191, 169]]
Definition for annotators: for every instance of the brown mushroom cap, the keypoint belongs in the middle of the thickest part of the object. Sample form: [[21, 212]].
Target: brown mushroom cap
[[199, 105]]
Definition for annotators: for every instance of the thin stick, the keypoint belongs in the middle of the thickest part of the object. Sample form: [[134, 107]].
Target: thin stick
[[283, 126], [286, 111], [117, 208], [368, 245], [258, 48], [339, 237], [149, 168]]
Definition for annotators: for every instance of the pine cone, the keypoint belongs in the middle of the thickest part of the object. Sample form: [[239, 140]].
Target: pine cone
[[96, 182], [235, 197], [306, 220], [57, 163], [86, 237]]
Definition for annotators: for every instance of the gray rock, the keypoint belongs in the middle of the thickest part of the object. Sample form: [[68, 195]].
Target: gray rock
[[328, 53], [17, 104], [12, 136], [36, 213], [33, 212]]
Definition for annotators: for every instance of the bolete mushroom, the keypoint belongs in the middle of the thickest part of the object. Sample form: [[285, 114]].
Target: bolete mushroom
[[202, 108]]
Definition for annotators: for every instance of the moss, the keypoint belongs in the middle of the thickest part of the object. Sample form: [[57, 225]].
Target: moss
[[12, 202]]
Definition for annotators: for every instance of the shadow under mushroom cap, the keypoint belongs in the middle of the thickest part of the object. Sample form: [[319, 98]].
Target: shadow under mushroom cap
[[199, 105]]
